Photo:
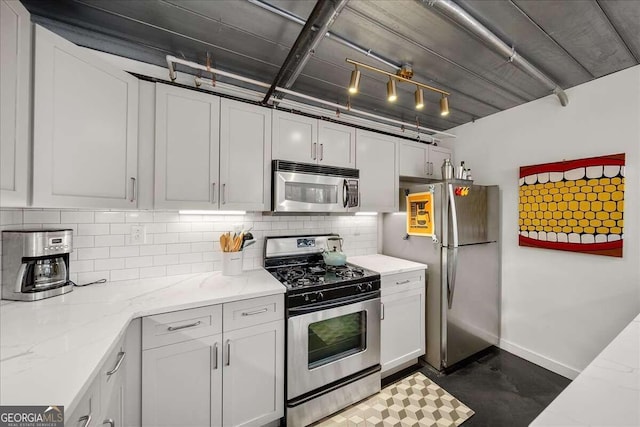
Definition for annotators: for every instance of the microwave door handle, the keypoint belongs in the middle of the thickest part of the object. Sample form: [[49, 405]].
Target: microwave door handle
[[345, 193]]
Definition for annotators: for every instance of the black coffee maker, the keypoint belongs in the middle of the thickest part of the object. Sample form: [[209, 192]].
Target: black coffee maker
[[35, 263]]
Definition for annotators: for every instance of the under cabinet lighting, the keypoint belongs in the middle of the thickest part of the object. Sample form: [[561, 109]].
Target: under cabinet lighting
[[366, 213], [201, 212]]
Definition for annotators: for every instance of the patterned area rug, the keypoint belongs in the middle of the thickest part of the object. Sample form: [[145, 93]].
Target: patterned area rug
[[413, 401]]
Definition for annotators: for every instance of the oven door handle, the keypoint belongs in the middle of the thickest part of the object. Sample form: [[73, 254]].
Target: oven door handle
[[368, 296]]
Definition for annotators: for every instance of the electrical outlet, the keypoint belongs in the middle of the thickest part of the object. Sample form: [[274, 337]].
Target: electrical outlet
[[138, 234]]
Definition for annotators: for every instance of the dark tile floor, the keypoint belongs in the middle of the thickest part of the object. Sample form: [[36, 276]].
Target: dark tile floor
[[502, 389]]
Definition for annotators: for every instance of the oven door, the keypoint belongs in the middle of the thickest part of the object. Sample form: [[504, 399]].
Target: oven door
[[304, 192], [327, 345]]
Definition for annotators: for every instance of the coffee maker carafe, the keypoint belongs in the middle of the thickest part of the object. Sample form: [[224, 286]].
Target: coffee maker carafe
[[35, 263]]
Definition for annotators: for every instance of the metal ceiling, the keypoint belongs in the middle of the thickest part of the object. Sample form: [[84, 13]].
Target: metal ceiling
[[572, 41]]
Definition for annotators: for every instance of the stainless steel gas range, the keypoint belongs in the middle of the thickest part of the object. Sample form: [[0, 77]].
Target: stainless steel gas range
[[333, 328]]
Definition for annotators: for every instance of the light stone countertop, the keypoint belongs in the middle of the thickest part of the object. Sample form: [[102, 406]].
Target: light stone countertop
[[51, 349], [607, 392], [386, 265]]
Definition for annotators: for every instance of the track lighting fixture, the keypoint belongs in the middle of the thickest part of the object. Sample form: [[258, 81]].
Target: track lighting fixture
[[403, 75], [354, 83], [392, 92], [419, 95], [444, 106]]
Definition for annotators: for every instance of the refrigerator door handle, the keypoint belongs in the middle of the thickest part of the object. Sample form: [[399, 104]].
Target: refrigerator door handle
[[451, 277]]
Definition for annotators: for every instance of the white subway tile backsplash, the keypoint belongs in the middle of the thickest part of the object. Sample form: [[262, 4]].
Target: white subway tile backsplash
[[136, 262], [80, 217], [109, 264], [83, 241], [140, 216], [126, 274], [93, 229], [153, 250], [148, 272], [41, 216], [176, 244], [109, 240], [81, 266], [124, 251], [92, 253], [174, 270], [109, 217]]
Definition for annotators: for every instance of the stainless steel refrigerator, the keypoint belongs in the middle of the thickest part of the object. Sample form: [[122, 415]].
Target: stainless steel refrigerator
[[463, 280]]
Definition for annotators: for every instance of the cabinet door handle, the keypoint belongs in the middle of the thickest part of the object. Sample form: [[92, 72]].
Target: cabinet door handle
[[251, 313], [133, 190], [121, 356], [110, 422], [215, 355], [86, 419], [224, 193], [381, 311], [432, 168], [177, 328], [313, 150], [403, 282], [228, 352], [213, 192], [321, 151]]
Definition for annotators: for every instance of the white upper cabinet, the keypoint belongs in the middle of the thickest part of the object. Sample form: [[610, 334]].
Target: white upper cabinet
[[377, 160], [413, 159], [307, 140], [15, 81], [436, 158], [245, 156], [336, 145], [294, 137], [419, 160], [187, 149], [85, 128]]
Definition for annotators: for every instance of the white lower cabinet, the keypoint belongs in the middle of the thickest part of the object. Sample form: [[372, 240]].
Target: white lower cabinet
[[402, 328], [233, 378], [182, 384]]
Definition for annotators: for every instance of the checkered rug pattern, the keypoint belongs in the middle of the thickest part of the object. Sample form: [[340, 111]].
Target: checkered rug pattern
[[413, 401]]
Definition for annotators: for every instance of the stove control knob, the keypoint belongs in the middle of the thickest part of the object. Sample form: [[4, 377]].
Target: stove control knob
[[319, 296], [359, 288], [306, 297], [369, 287]]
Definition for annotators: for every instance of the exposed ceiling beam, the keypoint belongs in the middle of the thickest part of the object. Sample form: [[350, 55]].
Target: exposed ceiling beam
[[471, 24], [313, 32]]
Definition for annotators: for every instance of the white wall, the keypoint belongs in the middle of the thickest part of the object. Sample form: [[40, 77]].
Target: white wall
[[176, 244], [560, 309]]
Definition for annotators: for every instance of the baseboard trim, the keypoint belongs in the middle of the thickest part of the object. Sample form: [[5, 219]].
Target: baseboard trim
[[538, 359]]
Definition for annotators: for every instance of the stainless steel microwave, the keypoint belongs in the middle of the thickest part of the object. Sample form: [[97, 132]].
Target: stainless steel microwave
[[303, 187]]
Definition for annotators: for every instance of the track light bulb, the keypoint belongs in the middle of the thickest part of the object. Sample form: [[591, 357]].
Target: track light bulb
[[392, 93], [444, 106], [419, 95], [354, 83]]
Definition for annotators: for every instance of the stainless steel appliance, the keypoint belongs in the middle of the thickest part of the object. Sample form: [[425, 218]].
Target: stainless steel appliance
[[463, 286], [35, 264], [333, 328], [302, 187]]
